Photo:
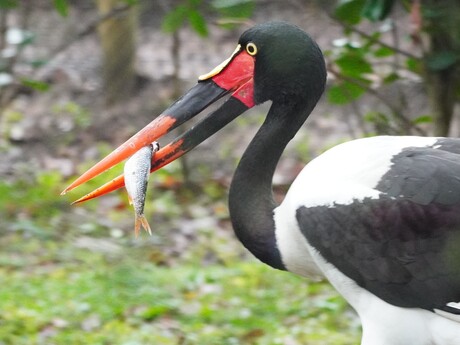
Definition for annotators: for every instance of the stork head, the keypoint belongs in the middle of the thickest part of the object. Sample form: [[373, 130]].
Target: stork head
[[273, 61]]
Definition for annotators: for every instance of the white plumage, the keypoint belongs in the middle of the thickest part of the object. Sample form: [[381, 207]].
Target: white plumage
[[348, 173]]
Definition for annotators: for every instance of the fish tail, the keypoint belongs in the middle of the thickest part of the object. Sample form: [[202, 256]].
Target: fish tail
[[139, 222]]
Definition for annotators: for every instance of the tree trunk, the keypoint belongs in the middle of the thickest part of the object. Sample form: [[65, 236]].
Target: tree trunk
[[442, 75], [117, 35], [441, 90]]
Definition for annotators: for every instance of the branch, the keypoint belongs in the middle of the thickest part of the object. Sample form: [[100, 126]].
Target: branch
[[92, 27], [7, 97], [25, 16], [3, 28], [374, 40], [395, 111]]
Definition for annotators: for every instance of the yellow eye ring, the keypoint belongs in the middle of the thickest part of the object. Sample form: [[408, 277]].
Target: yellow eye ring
[[251, 49]]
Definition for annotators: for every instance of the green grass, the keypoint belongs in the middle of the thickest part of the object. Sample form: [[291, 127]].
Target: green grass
[[98, 299], [70, 276]]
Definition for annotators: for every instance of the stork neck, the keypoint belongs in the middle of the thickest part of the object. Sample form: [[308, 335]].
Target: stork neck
[[251, 200]]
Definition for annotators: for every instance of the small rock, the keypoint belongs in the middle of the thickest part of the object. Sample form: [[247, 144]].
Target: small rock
[[91, 323]]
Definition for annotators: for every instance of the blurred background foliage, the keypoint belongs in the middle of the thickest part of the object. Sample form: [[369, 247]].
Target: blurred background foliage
[[79, 77]]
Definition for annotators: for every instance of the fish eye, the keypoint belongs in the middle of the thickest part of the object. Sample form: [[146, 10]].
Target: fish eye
[[251, 48]]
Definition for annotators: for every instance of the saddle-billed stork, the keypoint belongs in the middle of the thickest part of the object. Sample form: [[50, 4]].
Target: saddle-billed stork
[[378, 217]]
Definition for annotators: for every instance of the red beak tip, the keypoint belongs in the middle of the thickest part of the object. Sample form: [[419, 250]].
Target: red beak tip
[[78, 201], [68, 188]]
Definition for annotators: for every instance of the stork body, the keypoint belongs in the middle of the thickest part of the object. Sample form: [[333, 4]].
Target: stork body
[[378, 217]]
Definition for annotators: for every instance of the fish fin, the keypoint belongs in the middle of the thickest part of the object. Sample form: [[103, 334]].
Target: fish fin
[[137, 226], [141, 221], [130, 199]]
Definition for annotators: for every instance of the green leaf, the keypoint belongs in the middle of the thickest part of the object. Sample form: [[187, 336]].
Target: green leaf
[[155, 311], [414, 65], [194, 3], [234, 8], [370, 42], [8, 3], [38, 63], [377, 118], [28, 39], [442, 60], [375, 10], [62, 7], [198, 23], [349, 11], [422, 119], [384, 52], [390, 78], [174, 19], [353, 65], [35, 84], [344, 93]]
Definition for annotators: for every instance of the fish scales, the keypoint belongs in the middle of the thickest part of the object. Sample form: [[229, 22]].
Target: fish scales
[[136, 172]]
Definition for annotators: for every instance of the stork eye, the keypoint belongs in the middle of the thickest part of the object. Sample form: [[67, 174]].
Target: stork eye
[[251, 48]]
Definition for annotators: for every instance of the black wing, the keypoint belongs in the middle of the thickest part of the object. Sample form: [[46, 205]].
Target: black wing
[[405, 246]]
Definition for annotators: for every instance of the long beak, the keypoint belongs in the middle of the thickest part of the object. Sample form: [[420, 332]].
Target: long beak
[[235, 76]]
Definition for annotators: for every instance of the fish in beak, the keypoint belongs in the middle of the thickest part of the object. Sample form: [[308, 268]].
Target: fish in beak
[[234, 76], [136, 172]]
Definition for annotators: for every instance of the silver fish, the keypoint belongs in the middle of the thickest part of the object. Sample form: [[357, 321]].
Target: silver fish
[[137, 171]]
